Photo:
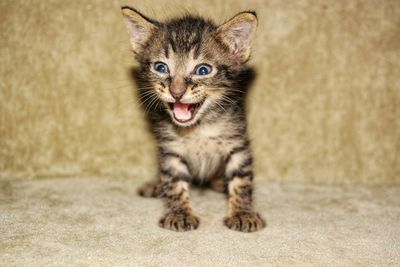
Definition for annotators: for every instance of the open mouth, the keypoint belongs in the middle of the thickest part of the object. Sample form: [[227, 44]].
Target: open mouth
[[184, 112]]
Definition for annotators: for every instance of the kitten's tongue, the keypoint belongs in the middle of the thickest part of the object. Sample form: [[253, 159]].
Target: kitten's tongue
[[182, 112]]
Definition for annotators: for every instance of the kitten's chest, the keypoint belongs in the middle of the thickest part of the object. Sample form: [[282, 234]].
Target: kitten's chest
[[205, 149]]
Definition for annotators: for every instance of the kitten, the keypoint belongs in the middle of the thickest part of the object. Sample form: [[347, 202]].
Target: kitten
[[191, 73]]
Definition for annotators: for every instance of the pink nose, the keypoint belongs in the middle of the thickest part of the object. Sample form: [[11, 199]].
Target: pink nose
[[178, 94], [177, 88]]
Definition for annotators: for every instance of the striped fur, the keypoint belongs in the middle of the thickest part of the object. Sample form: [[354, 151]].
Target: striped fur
[[213, 147]]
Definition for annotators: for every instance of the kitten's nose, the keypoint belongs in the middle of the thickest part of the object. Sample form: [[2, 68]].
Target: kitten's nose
[[177, 94], [177, 88]]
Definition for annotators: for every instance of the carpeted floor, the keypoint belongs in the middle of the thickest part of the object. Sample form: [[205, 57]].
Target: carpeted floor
[[100, 221]]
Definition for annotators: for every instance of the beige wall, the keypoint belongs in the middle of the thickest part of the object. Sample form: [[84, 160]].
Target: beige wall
[[325, 106]]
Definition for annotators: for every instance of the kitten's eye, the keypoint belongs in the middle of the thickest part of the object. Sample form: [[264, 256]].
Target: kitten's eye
[[161, 67], [203, 69]]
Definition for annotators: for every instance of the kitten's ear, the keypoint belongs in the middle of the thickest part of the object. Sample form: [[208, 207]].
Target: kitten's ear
[[140, 28], [238, 33]]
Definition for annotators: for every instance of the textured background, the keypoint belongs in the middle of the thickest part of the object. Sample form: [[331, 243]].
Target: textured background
[[325, 106]]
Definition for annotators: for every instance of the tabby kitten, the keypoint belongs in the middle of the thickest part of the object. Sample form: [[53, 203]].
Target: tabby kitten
[[190, 72]]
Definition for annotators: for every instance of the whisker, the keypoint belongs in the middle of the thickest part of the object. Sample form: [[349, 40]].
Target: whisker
[[217, 102], [147, 102], [154, 100], [145, 93], [228, 99]]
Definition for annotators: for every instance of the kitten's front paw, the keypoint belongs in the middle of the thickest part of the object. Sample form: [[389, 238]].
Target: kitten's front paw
[[179, 221], [245, 222]]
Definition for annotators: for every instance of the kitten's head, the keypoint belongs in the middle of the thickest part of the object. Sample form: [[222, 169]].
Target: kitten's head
[[190, 64]]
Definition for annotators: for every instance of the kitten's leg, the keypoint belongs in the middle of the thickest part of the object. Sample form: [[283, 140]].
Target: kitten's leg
[[239, 175], [175, 189], [151, 189]]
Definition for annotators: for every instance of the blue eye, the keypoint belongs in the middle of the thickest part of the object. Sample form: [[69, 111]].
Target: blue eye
[[203, 69], [161, 67]]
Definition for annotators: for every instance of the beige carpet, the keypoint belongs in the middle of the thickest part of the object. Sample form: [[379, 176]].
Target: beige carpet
[[101, 221]]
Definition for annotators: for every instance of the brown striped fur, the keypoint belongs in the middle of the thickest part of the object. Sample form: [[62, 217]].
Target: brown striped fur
[[213, 147]]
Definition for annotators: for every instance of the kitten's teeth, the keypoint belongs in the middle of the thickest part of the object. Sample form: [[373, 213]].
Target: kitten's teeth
[[182, 111]]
